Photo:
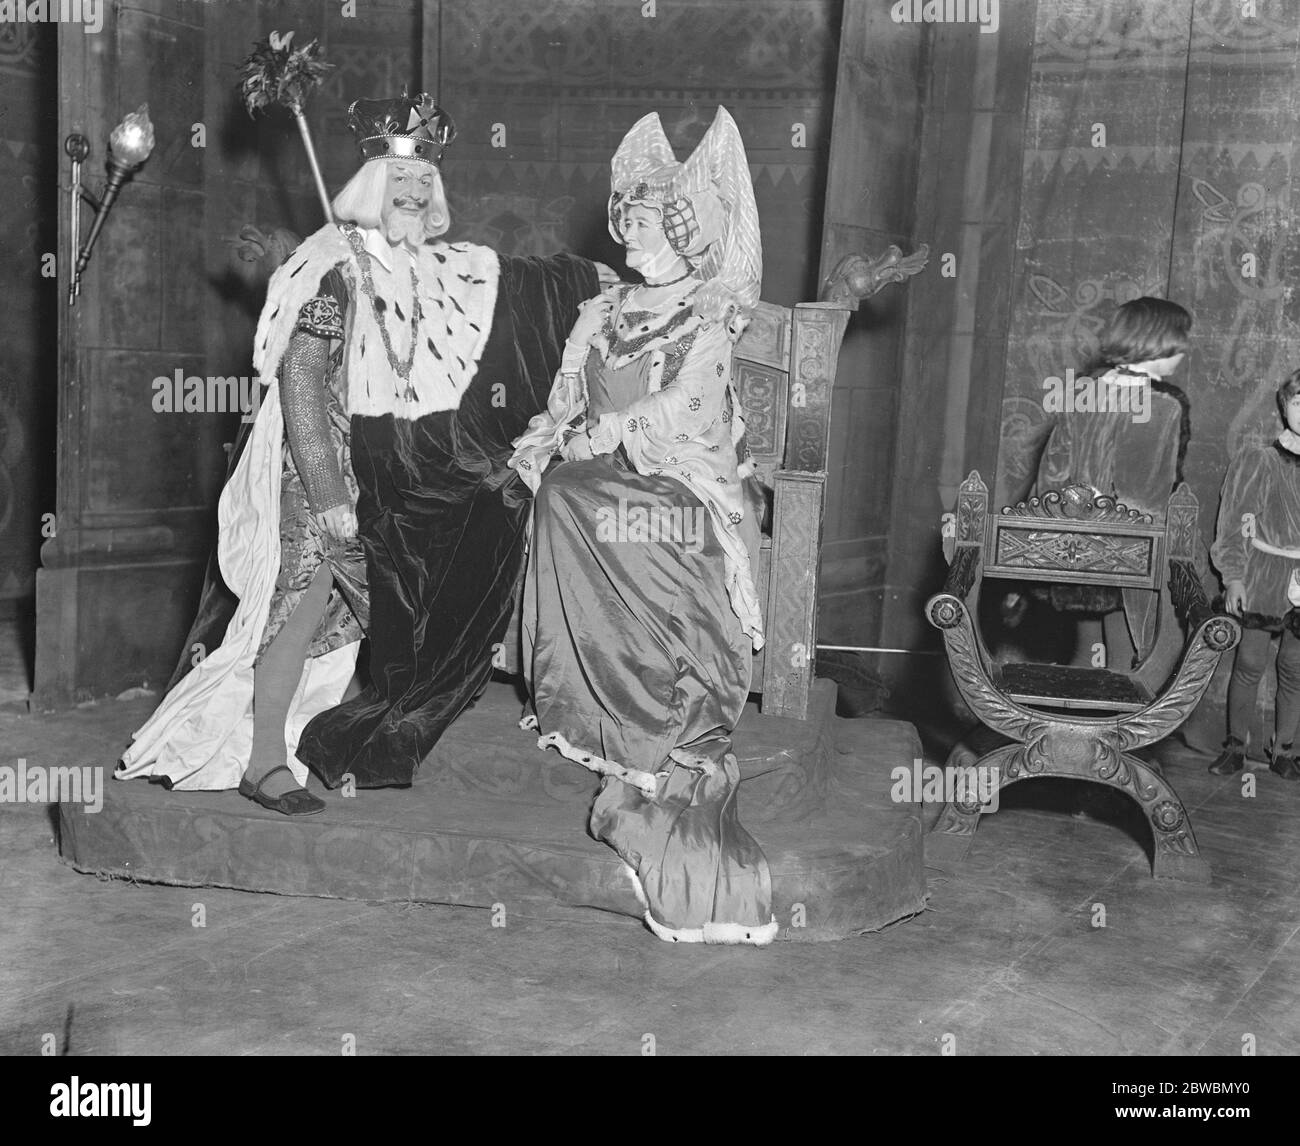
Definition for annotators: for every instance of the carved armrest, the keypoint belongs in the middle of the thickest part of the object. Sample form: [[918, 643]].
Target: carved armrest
[[1219, 630], [857, 277], [797, 503], [784, 475], [963, 572], [947, 608], [1187, 593]]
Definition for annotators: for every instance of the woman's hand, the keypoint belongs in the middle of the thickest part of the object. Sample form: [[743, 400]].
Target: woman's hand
[[339, 524], [1234, 600], [591, 317], [577, 448]]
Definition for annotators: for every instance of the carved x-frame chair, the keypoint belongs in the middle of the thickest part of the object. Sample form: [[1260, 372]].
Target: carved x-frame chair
[[1078, 723]]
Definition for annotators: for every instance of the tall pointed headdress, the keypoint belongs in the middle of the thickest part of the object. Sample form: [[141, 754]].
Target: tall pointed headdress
[[707, 202]]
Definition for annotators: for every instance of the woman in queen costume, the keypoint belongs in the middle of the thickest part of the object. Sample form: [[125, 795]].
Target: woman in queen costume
[[640, 614]]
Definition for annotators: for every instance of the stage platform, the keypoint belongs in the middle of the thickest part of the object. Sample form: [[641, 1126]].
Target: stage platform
[[493, 822]]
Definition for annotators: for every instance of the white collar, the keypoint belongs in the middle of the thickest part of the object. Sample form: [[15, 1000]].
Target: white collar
[[1119, 379], [380, 250], [1289, 441]]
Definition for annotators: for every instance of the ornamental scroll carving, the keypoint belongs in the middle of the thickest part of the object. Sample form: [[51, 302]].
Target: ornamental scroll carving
[[1080, 552], [1078, 503]]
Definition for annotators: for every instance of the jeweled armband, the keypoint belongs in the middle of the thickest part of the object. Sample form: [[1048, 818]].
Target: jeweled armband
[[322, 316]]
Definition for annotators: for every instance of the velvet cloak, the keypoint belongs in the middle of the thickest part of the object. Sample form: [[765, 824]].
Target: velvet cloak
[[444, 539]]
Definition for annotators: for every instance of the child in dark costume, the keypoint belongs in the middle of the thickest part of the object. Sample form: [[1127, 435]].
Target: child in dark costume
[[1130, 447], [1257, 553]]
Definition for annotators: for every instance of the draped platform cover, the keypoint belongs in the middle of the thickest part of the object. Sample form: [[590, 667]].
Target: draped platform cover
[[490, 820]]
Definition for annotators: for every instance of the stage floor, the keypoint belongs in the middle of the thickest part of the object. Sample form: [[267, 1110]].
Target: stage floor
[[493, 822], [1007, 958]]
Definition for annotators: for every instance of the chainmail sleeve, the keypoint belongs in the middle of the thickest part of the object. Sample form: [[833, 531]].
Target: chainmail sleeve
[[303, 399]]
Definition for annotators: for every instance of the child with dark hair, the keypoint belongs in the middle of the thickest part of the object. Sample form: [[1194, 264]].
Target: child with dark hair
[[1257, 553], [1127, 440]]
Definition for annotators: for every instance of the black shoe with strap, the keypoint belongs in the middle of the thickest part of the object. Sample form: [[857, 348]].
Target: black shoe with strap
[[1284, 764], [1231, 760], [296, 802]]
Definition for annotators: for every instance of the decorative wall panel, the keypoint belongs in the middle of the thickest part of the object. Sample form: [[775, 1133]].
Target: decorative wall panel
[[543, 92], [27, 360]]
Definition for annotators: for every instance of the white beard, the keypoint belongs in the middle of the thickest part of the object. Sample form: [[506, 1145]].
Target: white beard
[[404, 227]]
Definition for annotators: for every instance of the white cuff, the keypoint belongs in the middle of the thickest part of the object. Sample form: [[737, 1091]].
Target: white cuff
[[605, 436], [575, 357]]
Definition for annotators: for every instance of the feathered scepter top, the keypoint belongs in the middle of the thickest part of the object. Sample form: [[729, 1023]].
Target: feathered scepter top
[[276, 73]]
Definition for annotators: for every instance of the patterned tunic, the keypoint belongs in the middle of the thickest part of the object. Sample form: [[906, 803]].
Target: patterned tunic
[[1259, 514]]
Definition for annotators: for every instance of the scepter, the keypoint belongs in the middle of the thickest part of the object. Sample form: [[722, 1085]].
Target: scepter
[[276, 73]]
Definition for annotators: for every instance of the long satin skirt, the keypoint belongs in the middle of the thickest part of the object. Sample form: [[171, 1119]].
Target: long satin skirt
[[634, 655]]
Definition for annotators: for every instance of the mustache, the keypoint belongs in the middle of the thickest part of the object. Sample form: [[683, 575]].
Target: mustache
[[412, 201]]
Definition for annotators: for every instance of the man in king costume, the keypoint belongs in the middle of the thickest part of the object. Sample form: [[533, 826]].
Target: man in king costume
[[442, 353], [450, 350]]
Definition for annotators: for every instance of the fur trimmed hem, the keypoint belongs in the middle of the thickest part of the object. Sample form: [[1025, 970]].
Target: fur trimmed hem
[[728, 933]]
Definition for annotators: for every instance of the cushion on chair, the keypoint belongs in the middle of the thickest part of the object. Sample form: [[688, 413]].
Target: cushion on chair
[[1059, 686]]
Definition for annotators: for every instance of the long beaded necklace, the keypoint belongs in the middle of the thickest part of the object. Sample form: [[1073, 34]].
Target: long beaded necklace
[[401, 369]]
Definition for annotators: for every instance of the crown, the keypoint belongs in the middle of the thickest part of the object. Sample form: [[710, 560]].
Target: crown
[[409, 127]]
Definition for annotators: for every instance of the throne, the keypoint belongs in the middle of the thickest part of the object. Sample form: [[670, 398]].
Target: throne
[[1080, 723], [783, 369]]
